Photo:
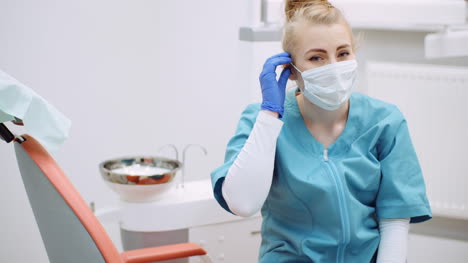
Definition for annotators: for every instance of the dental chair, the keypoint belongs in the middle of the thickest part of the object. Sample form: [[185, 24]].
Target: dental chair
[[70, 231]]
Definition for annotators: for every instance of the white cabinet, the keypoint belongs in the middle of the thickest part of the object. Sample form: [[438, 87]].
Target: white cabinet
[[190, 214], [229, 242]]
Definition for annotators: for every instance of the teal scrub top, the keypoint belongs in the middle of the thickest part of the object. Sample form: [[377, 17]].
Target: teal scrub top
[[321, 210]]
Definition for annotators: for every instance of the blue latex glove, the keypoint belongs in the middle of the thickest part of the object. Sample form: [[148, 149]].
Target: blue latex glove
[[273, 91]]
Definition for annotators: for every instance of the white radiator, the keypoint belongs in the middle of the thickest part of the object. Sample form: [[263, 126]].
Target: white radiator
[[434, 100]]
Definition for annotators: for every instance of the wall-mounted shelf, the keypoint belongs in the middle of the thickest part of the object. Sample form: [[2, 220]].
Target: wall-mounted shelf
[[410, 15], [399, 13], [260, 33]]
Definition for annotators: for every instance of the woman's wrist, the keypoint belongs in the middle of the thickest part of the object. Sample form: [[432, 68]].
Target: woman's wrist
[[272, 113]]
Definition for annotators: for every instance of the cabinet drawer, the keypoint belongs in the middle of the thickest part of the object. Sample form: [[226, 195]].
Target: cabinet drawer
[[232, 242]]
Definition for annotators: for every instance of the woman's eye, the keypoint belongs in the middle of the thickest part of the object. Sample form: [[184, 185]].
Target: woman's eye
[[315, 58], [344, 54]]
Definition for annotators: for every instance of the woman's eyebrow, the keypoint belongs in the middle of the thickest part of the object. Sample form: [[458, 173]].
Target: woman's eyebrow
[[343, 46], [316, 50], [324, 51]]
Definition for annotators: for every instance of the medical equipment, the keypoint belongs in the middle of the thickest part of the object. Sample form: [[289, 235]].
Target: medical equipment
[[448, 43], [159, 221], [43, 121], [188, 214], [140, 179], [70, 231], [6, 134], [145, 178]]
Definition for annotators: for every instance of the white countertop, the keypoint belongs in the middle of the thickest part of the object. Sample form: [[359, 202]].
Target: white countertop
[[191, 206]]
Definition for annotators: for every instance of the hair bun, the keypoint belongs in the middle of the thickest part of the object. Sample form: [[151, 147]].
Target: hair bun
[[291, 6]]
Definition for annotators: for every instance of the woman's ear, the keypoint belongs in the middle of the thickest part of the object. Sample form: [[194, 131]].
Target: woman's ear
[[292, 76]]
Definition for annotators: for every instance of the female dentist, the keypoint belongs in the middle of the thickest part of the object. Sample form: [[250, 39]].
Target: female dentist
[[334, 172]]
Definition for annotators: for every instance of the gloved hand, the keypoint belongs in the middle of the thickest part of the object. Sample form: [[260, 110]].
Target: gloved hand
[[273, 91]]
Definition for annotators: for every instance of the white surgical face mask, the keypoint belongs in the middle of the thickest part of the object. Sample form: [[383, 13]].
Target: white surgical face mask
[[330, 86]]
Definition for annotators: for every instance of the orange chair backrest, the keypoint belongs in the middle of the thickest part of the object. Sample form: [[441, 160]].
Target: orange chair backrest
[[66, 223]]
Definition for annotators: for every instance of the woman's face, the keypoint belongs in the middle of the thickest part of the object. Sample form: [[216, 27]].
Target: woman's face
[[319, 45]]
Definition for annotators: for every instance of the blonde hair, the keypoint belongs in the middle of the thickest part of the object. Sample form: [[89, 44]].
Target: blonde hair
[[319, 12]]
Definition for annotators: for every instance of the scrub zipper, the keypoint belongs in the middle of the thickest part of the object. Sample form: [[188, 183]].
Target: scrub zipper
[[341, 203]]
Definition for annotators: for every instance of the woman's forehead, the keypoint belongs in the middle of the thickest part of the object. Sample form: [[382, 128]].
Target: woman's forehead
[[327, 37]]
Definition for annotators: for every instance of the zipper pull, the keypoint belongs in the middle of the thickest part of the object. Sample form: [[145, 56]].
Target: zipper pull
[[325, 154]]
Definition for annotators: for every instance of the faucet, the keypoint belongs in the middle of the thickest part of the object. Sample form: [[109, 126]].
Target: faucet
[[183, 158], [173, 147]]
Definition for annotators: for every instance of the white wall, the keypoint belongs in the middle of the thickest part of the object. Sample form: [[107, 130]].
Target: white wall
[[132, 76]]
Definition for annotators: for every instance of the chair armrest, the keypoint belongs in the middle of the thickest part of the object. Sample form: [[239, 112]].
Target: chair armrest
[[161, 253]]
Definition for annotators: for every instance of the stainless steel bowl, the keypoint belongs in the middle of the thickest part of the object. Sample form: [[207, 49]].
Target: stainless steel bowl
[[141, 170]]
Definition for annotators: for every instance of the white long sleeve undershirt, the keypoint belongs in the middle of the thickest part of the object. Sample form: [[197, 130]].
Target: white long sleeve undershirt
[[393, 240], [248, 182]]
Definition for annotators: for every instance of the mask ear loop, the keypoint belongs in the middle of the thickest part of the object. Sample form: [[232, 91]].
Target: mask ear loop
[[295, 67], [297, 89]]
